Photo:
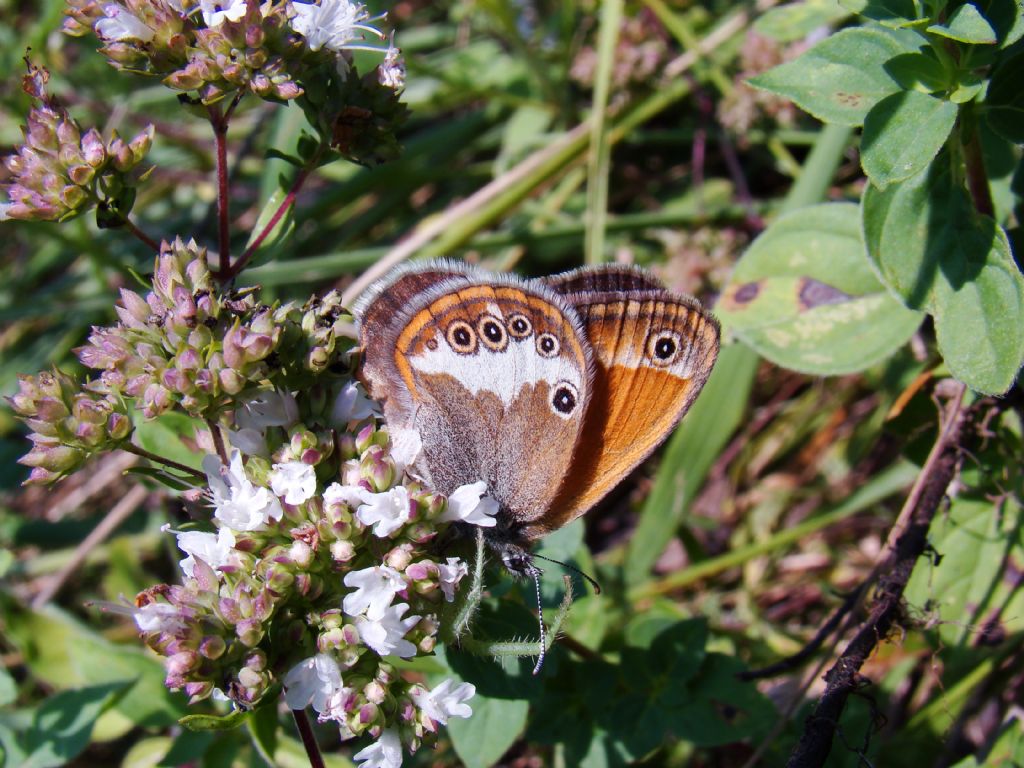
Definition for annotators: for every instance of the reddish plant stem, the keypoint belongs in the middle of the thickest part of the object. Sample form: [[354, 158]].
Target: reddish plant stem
[[219, 122], [287, 203], [907, 542], [316, 760], [977, 177], [132, 448], [218, 441], [140, 235]]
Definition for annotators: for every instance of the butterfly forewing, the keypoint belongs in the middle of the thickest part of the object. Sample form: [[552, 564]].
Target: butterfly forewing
[[499, 379]]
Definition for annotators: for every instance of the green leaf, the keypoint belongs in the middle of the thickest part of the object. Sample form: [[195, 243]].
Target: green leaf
[[147, 753], [64, 722], [841, 78], [263, 728], [228, 722], [719, 709], [1005, 100], [794, 21], [890, 13], [805, 296], [934, 251], [1006, 17], [977, 544], [63, 652], [495, 725], [8, 688], [171, 436], [688, 457], [979, 315], [918, 72], [966, 25], [902, 134]]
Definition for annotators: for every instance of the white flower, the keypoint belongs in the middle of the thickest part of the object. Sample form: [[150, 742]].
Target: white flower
[[349, 495], [466, 505], [268, 409], [249, 441], [215, 14], [386, 635], [122, 24], [386, 752], [334, 24], [386, 512], [316, 681], [444, 702], [239, 504], [391, 72], [295, 480], [451, 574], [376, 588], [5, 211], [352, 404], [406, 445], [214, 549], [158, 617]]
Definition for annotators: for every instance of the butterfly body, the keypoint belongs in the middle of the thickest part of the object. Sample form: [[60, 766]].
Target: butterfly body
[[550, 391]]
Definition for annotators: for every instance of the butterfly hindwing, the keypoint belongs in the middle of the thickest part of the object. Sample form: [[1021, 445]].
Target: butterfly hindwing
[[653, 352]]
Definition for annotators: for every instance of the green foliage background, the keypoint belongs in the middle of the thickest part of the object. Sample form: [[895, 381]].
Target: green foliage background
[[601, 131]]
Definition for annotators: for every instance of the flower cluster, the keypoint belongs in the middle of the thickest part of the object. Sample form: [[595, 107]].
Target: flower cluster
[[316, 573], [184, 343], [318, 568], [67, 424], [266, 48], [61, 171]]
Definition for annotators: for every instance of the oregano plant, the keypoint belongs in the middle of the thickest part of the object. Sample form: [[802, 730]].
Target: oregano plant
[[934, 87]]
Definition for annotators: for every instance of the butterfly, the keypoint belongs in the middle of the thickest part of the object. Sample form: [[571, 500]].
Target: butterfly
[[549, 390]]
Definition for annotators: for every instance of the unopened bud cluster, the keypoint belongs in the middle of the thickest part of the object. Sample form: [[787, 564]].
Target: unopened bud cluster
[[68, 424], [60, 171], [183, 343]]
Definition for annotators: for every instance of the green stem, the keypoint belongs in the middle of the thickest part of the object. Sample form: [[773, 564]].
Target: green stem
[[599, 156]]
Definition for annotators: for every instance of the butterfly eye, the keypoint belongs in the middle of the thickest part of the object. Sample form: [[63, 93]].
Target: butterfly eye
[[461, 337], [564, 399], [519, 326], [492, 333], [547, 345], [663, 348]]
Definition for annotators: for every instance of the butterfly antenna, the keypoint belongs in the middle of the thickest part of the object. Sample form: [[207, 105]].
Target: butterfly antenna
[[535, 572], [574, 569]]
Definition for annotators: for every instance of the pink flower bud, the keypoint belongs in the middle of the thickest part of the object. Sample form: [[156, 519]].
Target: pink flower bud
[[342, 551], [93, 151], [250, 632], [53, 458], [250, 678], [212, 647]]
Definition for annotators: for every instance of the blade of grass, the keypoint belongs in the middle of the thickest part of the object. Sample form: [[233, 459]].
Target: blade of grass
[[456, 226], [599, 155]]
